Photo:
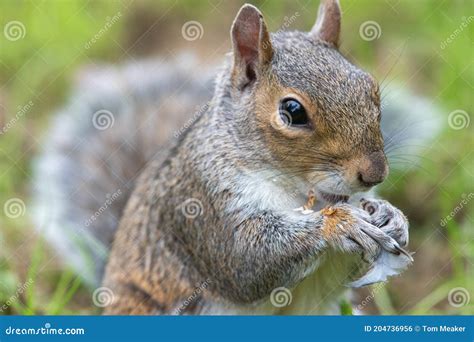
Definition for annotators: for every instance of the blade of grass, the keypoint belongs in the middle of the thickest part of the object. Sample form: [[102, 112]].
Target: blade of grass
[[427, 303], [35, 262], [383, 302], [61, 288], [66, 298]]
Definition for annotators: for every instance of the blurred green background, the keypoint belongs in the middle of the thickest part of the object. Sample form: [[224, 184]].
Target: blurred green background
[[426, 46]]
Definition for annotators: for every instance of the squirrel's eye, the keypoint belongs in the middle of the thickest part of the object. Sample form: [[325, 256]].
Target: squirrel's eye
[[293, 113]]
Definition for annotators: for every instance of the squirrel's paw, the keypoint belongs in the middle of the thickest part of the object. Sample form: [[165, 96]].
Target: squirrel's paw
[[393, 223], [348, 229], [388, 218], [352, 229]]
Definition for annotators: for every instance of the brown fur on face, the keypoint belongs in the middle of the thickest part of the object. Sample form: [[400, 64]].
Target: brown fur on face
[[341, 101]]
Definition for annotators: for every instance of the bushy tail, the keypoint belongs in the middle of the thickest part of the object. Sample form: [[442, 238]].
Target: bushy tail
[[117, 118], [409, 124]]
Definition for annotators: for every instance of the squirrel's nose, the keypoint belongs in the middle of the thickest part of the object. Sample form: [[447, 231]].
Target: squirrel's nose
[[373, 170]]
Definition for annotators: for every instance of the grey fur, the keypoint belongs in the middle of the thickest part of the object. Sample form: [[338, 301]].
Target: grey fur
[[244, 251], [81, 164]]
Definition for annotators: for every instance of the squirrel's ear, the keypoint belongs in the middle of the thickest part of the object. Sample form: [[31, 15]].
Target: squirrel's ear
[[251, 44], [328, 23]]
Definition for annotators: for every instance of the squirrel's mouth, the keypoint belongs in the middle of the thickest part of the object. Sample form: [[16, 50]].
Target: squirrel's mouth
[[333, 198]]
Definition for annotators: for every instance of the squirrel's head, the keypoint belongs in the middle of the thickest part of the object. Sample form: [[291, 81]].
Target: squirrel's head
[[311, 112]]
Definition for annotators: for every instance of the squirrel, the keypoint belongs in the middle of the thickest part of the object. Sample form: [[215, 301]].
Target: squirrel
[[203, 221]]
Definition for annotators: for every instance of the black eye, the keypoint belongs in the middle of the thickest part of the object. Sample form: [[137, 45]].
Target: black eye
[[293, 113]]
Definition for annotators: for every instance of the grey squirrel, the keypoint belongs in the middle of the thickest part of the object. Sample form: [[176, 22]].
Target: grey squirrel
[[171, 197]]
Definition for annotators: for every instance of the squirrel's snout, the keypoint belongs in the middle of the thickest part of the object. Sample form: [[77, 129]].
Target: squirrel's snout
[[373, 169]]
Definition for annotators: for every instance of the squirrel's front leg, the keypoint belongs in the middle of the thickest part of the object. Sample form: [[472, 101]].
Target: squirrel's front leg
[[377, 222], [271, 250]]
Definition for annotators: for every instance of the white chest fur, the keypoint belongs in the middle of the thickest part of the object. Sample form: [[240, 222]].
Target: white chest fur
[[325, 279]]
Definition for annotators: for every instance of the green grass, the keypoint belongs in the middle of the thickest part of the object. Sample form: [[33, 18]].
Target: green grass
[[39, 292], [41, 68]]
